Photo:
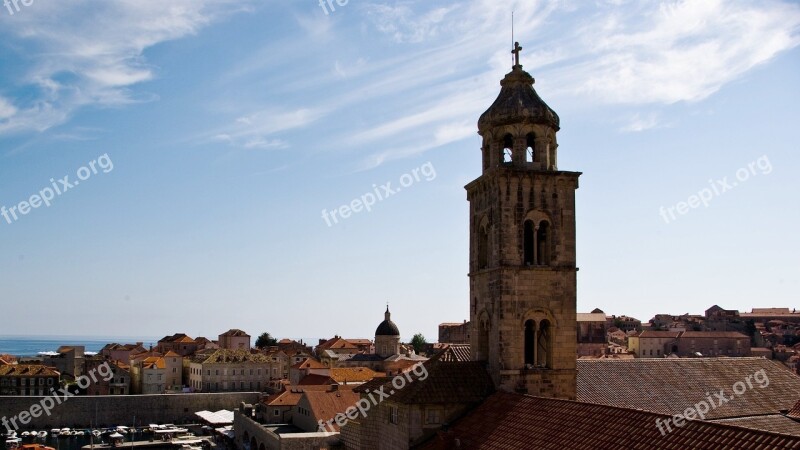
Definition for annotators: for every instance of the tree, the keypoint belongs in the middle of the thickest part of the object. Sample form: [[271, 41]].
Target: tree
[[418, 342], [265, 340]]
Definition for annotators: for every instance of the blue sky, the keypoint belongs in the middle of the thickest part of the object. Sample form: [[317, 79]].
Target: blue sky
[[231, 126]]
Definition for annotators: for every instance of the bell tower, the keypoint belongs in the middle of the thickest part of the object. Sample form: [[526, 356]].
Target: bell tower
[[522, 267]]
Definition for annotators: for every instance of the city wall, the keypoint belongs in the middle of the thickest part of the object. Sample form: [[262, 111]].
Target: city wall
[[100, 411]]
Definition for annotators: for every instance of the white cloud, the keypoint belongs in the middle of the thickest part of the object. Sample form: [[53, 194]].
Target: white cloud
[[7, 110], [85, 52], [641, 123], [681, 51]]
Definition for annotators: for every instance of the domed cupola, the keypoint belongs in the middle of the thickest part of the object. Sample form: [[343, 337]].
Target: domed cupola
[[519, 129], [387, 327], [518, 103]]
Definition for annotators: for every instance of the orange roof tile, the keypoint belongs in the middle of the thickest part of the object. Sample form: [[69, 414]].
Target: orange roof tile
[[353, 374], [506, 421]]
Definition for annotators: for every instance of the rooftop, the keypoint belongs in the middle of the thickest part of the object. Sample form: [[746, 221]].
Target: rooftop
[[671, 385], [506, 421]]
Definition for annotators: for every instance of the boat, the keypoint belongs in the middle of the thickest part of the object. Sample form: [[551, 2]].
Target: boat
[[55, 432], [96, 433], [11, 434], [42, 435], [35, 447], [13, 443]]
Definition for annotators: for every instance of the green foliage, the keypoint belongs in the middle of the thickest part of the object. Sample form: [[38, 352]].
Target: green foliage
[[418, 342], [265, 340]]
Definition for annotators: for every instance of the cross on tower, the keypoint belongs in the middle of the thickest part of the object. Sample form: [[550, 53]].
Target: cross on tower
[[516, 51]]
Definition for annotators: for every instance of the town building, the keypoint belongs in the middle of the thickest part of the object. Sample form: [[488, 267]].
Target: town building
[[592, 330], [454, 332], [28, 379], [234, 340], [67, 360], [179, 343], [227, 370]]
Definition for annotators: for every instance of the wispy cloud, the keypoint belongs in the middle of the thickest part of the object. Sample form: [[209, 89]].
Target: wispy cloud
[[85, 53]]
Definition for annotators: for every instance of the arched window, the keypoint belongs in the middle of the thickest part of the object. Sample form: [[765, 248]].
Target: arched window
[[530, 342], [528, 243], [531, 145], [508, 145], [483, 247], [543, 344], [543, 244], [482, 353]]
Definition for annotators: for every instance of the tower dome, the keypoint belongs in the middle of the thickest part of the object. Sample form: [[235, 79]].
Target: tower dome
[[387, 327], [518, 103]]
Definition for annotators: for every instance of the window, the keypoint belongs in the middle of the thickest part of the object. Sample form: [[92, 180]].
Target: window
[[23, 382], [543, 344], [251, 372], [531, 145], [174, 370], [41, 381], [542, 244], [49, 381], [393, 415], [432, 417], [483, 244], [508, 145], [528, 243], [277, 412], [530, 338]]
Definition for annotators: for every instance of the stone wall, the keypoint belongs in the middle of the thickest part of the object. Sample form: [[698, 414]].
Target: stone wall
[[81, 412], [251, 435]]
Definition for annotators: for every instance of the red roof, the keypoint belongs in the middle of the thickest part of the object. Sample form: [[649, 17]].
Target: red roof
[[508, 421]]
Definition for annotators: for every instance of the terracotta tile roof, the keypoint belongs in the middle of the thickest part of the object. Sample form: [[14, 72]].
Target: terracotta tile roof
[[456, 352], [28, 370], [178, 337], [336, 343], [226, 356], [360, 341], [309, 363], [713, 335], [775, 423], [154, 362], [512, 421], [326, 405], [795, 411], [316, 379], [234, 332], [285, 398], [353, 374], [446, 382], [171, 354], [671, 385]]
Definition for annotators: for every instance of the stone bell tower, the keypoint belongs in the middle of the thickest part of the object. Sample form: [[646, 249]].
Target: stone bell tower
[[522, 265]]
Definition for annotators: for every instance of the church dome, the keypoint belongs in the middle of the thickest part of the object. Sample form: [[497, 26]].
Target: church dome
[[387, 327], [518, 103]]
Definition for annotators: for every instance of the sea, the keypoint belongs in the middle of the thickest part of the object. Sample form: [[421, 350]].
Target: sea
[[29, 346]]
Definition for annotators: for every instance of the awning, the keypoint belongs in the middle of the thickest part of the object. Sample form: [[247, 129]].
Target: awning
[[221, 417]]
